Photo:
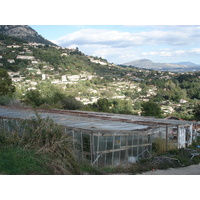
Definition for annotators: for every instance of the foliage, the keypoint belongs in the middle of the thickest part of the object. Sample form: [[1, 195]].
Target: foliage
[[33, 98], [103, 105], [151, 108], [197, 112], [52, 97], [6, 86], [113, 106], [159, 145], [121, 106], [5, 99]]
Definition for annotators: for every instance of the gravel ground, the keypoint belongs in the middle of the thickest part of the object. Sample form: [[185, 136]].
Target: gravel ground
[[190, 170]]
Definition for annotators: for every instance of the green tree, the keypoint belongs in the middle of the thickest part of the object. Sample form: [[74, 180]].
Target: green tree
[[103, 105], [70, 103], [122, 106], [196, 112], [6, 86], [151, 108], [33, 97]]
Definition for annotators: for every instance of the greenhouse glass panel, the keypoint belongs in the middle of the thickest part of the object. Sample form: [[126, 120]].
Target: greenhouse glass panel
[[145, 139], [134, 149], [86, 143], [101, 160], [123, 140], [116, 160], [102, 143], [110, 142], [117, 142], [109, 159], [130, 138], [123, 156], [135, 139]]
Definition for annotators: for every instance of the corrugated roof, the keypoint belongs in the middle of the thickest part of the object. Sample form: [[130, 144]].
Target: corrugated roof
[[93, 121], [72, 121]]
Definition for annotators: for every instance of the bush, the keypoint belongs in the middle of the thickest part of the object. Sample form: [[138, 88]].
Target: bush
[[151, 108], [159, 146], [5, 100], [70, 103]]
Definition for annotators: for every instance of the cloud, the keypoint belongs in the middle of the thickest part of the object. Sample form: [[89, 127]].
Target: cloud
[[171, 53], [120, 46], [195, 51], [175, 37]]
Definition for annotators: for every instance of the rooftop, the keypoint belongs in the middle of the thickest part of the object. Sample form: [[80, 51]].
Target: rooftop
[[92, 121]]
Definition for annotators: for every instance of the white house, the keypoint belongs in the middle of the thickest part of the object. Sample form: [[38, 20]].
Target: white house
[[11, 60], [64, 78], [183, 101], [43, 76], [25, 57]]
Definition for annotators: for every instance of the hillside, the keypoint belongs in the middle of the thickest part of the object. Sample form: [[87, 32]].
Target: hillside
[[173, 67], [17, 54], [24, 32], [49, 76]]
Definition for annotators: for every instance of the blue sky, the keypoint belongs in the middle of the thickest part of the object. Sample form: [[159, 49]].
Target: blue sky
[[123, 43]]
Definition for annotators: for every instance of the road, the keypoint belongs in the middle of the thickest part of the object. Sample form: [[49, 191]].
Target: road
[[190, 170]]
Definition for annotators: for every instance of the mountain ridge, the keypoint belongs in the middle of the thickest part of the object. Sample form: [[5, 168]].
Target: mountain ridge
[[24, 32], [174, 67]]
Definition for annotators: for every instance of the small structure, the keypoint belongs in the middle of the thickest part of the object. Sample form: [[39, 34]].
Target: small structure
[[43, 76], [64, 78], [11, 60]]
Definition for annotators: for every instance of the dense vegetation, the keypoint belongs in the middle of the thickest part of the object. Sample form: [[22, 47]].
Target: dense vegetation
[[72, 61]]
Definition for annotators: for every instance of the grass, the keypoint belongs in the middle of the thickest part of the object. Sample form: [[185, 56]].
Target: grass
[[19, 161], [37, 142]]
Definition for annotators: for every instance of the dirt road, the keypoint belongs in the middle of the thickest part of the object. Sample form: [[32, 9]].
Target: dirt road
[[190, 170]]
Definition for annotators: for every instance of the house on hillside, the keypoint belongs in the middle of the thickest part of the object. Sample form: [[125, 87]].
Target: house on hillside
[[11, 60], [24, 57], [183, 101]]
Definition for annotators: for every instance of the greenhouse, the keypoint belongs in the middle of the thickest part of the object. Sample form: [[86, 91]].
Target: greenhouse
[[106, 139]]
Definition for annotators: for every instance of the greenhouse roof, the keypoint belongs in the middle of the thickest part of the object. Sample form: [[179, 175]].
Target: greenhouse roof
[[93, 121]]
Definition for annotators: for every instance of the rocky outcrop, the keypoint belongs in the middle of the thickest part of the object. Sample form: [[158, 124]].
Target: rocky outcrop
[[23, 32]]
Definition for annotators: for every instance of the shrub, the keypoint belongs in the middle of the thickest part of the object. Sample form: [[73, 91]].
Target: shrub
[[159, 145], [151, 108], [5, 100]]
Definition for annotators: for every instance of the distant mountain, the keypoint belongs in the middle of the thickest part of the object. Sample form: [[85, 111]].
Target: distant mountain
[[186, 63], [24, 32], [174, 67]]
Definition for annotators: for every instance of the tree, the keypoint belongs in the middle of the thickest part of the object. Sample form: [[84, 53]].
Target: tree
[[33, 97], [151, 108], [122, 106], [6, 86], [103, 105], [196, 112]]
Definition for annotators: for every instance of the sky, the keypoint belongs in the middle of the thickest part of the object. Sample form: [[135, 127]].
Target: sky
[[124, 43]]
